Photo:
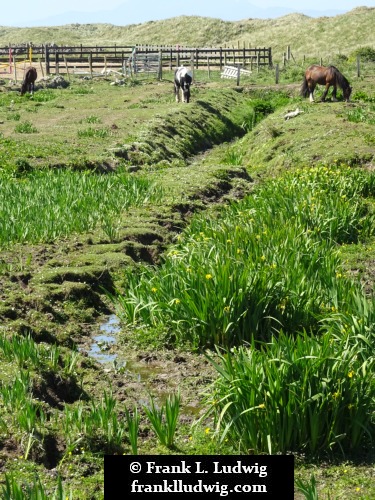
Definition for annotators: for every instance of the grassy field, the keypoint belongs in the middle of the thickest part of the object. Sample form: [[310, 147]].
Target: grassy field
[[217, 223]]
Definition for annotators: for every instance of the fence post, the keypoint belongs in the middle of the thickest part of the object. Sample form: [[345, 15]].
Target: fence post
[[66, 66], [47, 60], [56, 63], [160, 67], [90, 63], [41, 67], [277, 73], [238, 74], [15, 66], [358, 66]]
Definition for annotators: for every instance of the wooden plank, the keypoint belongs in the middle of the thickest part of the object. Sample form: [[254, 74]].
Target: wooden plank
[[232, 72]]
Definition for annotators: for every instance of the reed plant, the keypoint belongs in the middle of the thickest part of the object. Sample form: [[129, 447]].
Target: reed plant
[[97, 424], [164, 419], [28, 353], [308, 488], [133, 426], [264, 264], [22, 349], [23, 413], [303, 393], [13, 489], [53, 204]]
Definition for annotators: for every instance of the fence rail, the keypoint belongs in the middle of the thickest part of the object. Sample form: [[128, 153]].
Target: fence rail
[[80, 58]]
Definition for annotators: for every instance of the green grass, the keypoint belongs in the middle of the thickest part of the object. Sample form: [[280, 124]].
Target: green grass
[[54, 204]]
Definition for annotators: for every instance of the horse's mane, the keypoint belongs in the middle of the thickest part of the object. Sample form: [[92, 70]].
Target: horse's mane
[[341, 79]]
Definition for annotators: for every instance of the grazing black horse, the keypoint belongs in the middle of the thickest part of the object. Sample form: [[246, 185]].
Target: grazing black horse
[[29, 80], [183, 78], [327, 76]]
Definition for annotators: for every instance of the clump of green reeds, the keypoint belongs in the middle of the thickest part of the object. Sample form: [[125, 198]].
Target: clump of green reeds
[[267, 263], [15, 490], [52, 204], [296, 394], [164, 419], [97, 425], [24, 414], [27, 353], [132, 420]]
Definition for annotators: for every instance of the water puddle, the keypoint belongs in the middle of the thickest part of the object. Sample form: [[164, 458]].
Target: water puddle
[[102, 351], [105, 340]]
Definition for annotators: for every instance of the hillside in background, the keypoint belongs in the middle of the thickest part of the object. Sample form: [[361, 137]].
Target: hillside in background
[[307, 36]]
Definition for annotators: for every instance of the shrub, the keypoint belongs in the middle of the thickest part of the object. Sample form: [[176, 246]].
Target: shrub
[[365, 53]]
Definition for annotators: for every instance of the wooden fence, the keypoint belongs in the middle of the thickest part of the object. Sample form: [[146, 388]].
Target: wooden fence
[[90, 59]]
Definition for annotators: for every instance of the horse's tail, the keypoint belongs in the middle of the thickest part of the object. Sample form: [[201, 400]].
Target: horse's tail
[[304, 88]]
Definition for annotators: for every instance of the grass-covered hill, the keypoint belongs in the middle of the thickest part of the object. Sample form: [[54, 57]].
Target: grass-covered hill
[[311, 37]]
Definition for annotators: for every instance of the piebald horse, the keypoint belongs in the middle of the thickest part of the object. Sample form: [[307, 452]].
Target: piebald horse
[[183, 78], [29, 80], [327, 76]]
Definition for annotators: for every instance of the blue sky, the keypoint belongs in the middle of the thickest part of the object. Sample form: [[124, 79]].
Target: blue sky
[[124, 12]]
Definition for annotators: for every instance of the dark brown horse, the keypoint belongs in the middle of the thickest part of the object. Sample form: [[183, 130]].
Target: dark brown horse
[[29, 80], [327, 76]]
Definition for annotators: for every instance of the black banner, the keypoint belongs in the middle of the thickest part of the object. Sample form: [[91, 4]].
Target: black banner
[[262, 476]]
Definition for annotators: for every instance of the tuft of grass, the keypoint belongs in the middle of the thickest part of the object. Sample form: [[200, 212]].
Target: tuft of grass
[[13, 489], [133, 427], [308, 488], [25, 128], [164, 420], [101, 133]]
